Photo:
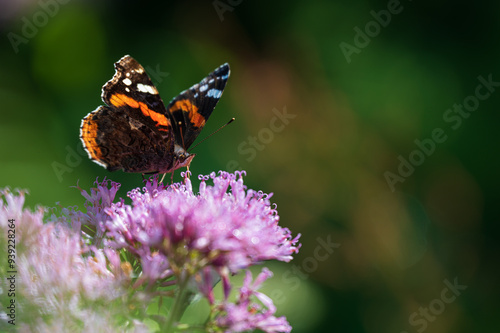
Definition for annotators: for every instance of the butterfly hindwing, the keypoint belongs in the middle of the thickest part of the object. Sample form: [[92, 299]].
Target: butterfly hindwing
[[116, 141]]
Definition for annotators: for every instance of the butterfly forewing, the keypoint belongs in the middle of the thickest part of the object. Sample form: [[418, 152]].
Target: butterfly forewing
[[192, 108]]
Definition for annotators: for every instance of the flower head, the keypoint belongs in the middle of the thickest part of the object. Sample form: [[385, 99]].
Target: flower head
[[223, 226]]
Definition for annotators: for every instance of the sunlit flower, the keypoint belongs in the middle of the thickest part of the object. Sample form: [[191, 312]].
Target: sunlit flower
[[247, 314], [58, 284], [97, 201], [99, 269], [223, 226]]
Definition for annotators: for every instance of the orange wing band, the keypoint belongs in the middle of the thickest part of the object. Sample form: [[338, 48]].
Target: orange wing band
[[185, 105], [89, 135], [120, 100]]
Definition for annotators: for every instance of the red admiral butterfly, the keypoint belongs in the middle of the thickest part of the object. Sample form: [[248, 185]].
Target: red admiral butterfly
[[135, 132]]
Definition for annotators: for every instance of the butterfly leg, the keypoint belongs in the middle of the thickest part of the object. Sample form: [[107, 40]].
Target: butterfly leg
[[163, 177]]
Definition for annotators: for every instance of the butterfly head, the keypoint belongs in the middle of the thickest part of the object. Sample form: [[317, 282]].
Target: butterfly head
[[181, 158]]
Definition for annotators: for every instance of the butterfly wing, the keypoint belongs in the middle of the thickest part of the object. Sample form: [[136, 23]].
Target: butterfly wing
[[116, 141], [133, 131], [132, 90], [191, 109]]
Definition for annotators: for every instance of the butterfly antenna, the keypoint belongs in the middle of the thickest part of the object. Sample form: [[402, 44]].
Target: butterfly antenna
[[196, 145]]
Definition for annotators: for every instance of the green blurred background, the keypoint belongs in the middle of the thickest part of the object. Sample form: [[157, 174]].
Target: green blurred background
[[351, 120]]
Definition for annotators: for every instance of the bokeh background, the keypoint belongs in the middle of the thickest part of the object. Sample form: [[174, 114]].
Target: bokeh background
[[390, 247]]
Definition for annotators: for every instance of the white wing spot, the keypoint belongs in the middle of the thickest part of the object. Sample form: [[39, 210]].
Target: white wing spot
[[147, 89], [204, 87], [127, 81]]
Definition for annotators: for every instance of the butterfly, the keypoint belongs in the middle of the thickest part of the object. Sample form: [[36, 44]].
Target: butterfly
[[135, 132]]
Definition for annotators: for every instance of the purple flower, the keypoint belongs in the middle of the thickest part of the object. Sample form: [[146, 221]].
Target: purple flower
[[59, 284], [98, 200], [193, 240], [95, 269], [245, 314], [224, 226], [11, 207]]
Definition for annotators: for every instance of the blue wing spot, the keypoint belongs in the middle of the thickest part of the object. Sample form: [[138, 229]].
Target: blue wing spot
[[215, 93]]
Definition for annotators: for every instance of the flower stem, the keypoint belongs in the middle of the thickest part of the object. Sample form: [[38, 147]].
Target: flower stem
[[181, 302]]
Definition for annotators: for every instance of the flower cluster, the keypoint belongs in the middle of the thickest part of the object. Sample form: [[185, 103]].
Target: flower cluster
[[214, 228], [59, 284], [169, 241], [245, 314]]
